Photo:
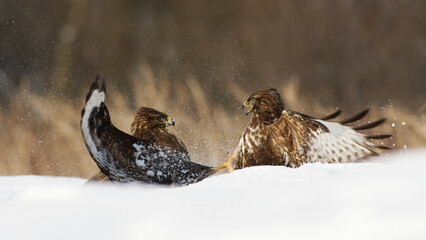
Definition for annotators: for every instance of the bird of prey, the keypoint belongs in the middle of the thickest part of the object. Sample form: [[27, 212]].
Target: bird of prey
[[150, 125], [276, 136], [125, 158]]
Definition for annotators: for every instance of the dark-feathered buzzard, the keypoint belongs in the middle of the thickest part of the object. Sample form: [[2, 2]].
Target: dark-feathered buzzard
[[125, 158], [276, 136], [150, 125]]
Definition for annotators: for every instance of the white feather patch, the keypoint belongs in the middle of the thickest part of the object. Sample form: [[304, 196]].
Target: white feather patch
[[340, 144]]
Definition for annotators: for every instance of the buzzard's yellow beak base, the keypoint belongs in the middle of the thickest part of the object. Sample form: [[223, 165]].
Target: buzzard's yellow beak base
[[170, 122], [245, 104]]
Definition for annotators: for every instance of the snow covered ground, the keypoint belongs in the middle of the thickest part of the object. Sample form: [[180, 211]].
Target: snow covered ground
[[381, 199]]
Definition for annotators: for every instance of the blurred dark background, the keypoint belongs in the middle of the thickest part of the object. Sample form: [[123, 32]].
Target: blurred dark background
[[347, 51], [342, 53]]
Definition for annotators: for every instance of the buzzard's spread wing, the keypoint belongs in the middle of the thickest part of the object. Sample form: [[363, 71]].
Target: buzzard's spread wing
[[303, 140], [294, 139], [125, 158], [276, 136]]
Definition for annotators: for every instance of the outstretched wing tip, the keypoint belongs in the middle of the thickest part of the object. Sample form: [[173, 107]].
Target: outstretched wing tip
[[357, 117], [381, 136], [383, 147], [332, 116], [370, 125]]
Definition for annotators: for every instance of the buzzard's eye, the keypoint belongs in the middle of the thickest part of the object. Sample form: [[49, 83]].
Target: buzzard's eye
[[251, 101], [156, 118]]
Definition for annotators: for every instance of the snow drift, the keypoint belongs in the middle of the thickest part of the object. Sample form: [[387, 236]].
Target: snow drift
[[384, 198]]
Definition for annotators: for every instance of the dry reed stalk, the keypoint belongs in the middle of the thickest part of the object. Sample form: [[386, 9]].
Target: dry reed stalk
[[42, 135]]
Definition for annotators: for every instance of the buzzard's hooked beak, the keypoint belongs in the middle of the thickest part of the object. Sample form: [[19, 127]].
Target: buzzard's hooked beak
[[247, 105], [170, 121]]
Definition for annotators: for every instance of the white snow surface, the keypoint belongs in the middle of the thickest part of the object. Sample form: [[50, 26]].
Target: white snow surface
[[380, 199]]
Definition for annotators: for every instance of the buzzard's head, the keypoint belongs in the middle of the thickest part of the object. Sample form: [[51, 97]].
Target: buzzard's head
[[264, 101], [149, 119]]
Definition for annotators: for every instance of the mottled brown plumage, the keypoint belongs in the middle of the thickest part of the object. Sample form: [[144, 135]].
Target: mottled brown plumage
[[276, 136], [150, 124]]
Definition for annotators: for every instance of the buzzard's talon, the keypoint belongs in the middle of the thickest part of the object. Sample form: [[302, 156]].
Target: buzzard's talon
[[230, 160], [234, 158], [227, 164]]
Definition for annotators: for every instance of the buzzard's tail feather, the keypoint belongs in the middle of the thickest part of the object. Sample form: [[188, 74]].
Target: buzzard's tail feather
[[356, 117], [370, 125], [332, 116]]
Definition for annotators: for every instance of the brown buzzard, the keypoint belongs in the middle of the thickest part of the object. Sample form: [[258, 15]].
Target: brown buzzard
[[276, 136], [150, 125], [125, 158]]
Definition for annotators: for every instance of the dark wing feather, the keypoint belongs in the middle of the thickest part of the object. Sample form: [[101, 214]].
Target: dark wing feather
[[332, 116], [370, 125], [328, 117], [357, 117], [125, 158], [384, 136]]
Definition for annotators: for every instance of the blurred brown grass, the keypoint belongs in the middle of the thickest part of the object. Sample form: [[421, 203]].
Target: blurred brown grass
[[41, 134]]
